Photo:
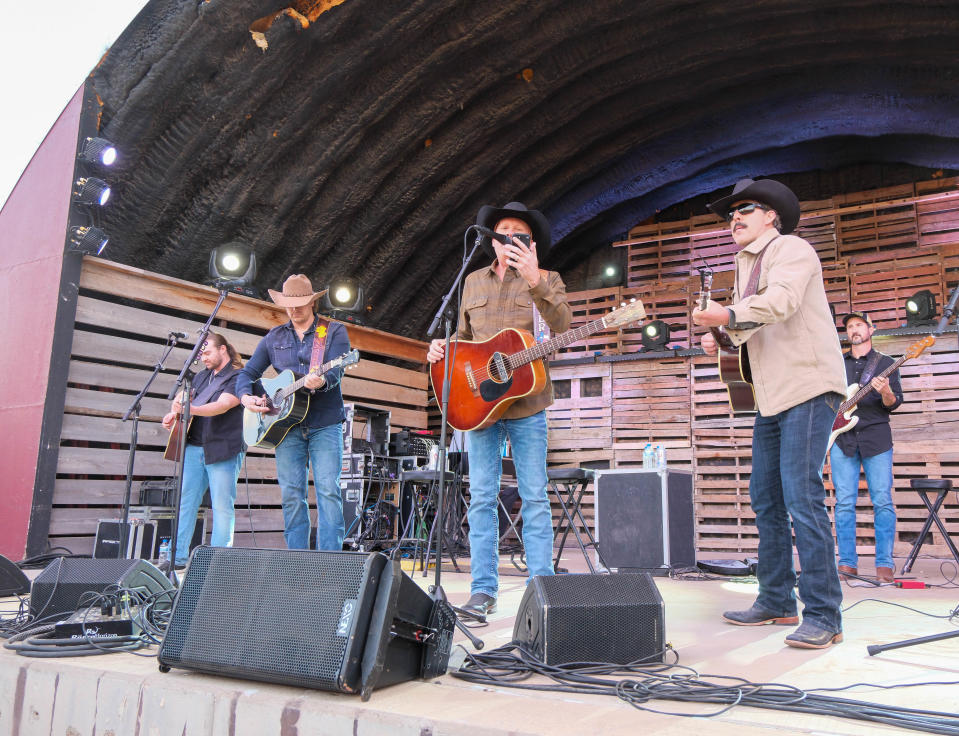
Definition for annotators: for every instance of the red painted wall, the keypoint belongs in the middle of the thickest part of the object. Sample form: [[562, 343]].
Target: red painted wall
[[33, 227]]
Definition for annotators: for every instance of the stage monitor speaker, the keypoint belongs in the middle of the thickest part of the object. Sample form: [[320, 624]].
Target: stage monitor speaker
[[616, 618], [645, 520], [12, 579], [68, 583], [343, 621]]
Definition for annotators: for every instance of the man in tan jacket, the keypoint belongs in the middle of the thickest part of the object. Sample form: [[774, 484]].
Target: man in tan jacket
[[799, 381]]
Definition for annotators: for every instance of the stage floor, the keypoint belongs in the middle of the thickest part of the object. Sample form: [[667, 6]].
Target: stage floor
[[124, 695]]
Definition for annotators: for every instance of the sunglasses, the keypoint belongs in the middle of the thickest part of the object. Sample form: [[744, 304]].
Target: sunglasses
[[745, 209]]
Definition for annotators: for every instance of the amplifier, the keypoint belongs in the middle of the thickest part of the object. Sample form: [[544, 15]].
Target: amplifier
[[134, 540], [645, 520], [158, 492]]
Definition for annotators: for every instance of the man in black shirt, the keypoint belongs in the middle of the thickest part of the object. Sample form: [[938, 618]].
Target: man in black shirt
[[867, 444]]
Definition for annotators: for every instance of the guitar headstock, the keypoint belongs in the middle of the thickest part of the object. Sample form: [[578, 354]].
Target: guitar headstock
[[625, 314], [706, 286], [348, 359], [915, 350]]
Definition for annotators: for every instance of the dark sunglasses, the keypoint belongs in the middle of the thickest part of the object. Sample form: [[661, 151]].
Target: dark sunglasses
[[745, 209]]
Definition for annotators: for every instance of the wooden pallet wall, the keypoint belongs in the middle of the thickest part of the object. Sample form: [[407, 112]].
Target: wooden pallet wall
[[123, 318], [877, 248]]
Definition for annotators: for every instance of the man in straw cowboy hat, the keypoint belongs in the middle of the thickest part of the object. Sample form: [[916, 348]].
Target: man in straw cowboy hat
[[317, 440], [799, 382], [511, 292]]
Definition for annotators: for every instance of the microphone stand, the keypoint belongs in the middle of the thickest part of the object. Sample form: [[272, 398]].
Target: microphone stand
[[874, 649], [443, 312], [134, 411], [184, 387]]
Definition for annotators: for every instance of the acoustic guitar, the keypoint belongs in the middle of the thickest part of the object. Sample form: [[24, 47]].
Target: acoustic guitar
[[733, 358], [846, 419], [288, 405], [172, 450], [487, 376]]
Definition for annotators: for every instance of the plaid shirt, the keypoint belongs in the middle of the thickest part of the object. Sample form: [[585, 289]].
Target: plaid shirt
[[490, 306]]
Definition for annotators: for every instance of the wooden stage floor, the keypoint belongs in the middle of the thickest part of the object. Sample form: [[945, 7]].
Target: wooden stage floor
[[125, 695]]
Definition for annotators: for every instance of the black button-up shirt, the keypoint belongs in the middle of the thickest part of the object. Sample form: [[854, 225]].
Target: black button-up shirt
[[872, 434]]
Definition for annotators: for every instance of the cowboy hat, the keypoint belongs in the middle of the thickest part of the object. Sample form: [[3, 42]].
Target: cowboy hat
[[765, 191], [488, 216], [297, 292]]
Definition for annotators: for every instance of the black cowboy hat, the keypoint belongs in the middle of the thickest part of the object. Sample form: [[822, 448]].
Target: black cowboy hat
[[765, 191], [488, 216]]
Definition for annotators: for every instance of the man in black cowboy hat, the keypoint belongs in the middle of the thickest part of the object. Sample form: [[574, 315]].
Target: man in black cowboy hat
[[317, 440], [799, 382], [512, 292]]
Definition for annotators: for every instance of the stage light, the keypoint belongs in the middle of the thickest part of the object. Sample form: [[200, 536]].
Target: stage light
[[89, 190], [655, 335], [98, 151], [609, 271], [344, 300], [921, 308], [91, 240], [233, 264]]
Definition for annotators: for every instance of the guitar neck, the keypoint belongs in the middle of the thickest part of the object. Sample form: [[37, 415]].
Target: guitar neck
[[300, 382], [864, 390], [541, 350]]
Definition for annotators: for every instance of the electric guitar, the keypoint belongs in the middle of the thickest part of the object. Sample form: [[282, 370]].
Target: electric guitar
[[732, 356], [846, 418], [287, 407], [486, 377], [172, 450]]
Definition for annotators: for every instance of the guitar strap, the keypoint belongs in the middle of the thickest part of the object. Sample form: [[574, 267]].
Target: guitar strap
[[319, 342], [540, 328], [869, 369], [753, 284]]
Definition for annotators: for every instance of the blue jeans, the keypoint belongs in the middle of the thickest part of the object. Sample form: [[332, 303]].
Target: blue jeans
[[789, 450], [845, 477], [528, 439], [322, 448], [221, 478]]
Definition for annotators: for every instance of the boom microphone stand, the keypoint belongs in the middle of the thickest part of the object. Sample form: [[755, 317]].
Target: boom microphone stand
[[445, 312], [947, 313], [183, 386], [134, 411]]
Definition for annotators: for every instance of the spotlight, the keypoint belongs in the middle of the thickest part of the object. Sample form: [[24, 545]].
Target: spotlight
[[90, 190], [98, 151], [233, 264], [611, 275], [921, 308], [344, 300], [91, 240], [655, 335]]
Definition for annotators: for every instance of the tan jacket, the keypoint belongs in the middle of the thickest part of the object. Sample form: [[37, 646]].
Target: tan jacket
[[490, 306], [796, 354]]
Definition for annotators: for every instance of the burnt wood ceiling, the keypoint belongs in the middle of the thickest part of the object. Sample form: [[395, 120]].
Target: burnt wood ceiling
[[361, 138]]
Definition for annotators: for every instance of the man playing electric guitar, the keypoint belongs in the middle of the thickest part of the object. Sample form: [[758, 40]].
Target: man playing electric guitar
[[511, 292], [299, 345], [867, 444]]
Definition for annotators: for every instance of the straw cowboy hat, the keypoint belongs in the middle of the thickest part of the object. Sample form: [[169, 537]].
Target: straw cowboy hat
[[488, 216], [765, 191], [297, 292]]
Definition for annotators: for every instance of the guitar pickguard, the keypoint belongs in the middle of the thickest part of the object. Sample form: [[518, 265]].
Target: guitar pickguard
[[491, 390]]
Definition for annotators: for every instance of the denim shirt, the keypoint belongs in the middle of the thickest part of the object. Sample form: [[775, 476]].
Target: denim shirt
[[282, 348]]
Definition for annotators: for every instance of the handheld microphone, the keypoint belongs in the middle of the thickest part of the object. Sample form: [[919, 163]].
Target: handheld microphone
[[178, 335]]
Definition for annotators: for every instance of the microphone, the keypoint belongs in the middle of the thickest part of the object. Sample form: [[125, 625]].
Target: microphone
[[504, 239], [178, 335]]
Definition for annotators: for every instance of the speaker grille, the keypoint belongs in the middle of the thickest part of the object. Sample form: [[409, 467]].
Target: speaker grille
[[64, 582], [591, 618], [291, 616]]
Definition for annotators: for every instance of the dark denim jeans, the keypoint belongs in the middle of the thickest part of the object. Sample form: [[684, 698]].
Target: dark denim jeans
[[789, 450]]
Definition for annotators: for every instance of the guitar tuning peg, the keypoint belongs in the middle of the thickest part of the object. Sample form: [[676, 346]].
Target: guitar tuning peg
[[622, 304]]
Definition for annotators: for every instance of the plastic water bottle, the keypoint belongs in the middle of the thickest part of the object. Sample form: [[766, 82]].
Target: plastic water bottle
[[648, 456], [660, 457], [164, 554]]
